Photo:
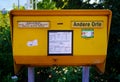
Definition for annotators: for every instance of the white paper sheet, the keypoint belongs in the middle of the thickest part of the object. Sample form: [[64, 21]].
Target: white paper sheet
[[60, 42]]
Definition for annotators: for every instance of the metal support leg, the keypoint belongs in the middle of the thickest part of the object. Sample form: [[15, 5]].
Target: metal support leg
[[85, 74], [31, 74]]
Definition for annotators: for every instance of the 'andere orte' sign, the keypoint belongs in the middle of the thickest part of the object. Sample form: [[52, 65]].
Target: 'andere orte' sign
[[87, 24]]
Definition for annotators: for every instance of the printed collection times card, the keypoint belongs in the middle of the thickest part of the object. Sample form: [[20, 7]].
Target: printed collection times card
[[60, 42]]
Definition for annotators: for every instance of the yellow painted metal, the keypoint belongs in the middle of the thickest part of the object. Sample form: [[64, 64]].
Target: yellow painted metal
[[86, 51]]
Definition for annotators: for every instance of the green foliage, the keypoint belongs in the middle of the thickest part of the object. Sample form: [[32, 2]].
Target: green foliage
[[113, 57], [60, 4], [5, 41], [6, 64], [46, 4], [16, 7], [7, 78], [78, 4], [59, 74]]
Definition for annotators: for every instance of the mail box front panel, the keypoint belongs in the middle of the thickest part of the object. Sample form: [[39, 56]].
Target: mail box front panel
[[30, 34]]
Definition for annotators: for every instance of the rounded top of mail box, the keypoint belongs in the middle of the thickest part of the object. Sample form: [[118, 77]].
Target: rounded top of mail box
[[71, 12]]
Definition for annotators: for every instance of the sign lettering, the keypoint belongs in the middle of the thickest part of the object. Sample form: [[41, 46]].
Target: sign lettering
[[33, 24], [87, 24]]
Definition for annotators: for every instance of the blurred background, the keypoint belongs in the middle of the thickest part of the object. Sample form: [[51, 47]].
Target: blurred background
[[57, 73]]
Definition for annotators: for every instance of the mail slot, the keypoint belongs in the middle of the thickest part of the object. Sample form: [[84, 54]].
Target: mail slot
[[60, 37]]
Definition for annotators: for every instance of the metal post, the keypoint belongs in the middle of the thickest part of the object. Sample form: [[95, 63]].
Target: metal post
[[32, 4], [31, 74], [85, 74], [28, 4], [36, 1], [18, 4]]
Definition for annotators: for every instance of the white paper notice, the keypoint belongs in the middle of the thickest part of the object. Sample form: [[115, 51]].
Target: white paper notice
[[32, 43], [60, 42]]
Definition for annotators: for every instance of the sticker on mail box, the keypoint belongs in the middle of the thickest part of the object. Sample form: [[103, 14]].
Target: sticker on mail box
[[87, 33]]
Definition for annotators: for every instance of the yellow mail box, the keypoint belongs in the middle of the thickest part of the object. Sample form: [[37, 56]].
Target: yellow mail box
[[60, 37]]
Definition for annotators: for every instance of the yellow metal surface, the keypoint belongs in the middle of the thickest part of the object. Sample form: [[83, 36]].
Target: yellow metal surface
[[86, 51], [90, 46]]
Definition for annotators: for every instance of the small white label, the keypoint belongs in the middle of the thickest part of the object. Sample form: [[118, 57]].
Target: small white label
[[87, 33], [32, 43], [33, 24]]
